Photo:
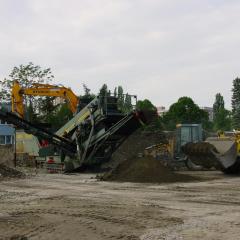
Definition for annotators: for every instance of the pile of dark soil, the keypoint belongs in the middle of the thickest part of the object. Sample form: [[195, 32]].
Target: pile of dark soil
[[145, 169], [133, 145], [7, 172]]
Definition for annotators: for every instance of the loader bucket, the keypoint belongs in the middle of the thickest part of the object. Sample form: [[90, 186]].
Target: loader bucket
[[201, 154], [226, 154], [220, 153]]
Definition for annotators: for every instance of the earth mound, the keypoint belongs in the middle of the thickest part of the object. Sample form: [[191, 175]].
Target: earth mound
[[133, 145], [8, 172], [145, 170]]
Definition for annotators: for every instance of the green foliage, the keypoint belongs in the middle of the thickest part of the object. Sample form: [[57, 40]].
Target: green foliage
[[120, 98], [222, 120], [62, 116], [146, 105], [221, 116], [115, 92], [86, 90], [26, 76], [128, 103], [48, 112], [30, 114], [87, 97], [103, 90], [47, 109], [236, 103], [157, 123], [47, 105], [57, 117], [218, 104], [184, 111]]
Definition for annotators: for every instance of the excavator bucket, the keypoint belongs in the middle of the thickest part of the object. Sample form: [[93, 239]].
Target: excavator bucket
[[220, 153]]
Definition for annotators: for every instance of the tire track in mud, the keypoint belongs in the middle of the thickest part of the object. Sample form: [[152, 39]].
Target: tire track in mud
[[97, 211]]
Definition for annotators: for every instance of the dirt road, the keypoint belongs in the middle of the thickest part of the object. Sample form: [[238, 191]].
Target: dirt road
[[78, 207]]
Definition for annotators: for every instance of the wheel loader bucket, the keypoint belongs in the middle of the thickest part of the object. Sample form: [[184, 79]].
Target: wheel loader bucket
[[221, 153], [201, 154], [225, 151]]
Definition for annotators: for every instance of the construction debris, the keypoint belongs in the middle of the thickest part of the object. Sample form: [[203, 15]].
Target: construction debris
[[8, 172], [145, 169], [7, 155]]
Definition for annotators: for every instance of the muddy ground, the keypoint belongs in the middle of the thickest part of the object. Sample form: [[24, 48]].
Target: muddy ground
[[79, 207]]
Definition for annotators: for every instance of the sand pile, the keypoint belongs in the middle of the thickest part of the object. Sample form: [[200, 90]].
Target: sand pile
[[145, 169], [7, 172]]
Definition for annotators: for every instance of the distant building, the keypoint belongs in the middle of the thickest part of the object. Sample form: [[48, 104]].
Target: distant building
[[7, 132], [209, 110], [161, 110]]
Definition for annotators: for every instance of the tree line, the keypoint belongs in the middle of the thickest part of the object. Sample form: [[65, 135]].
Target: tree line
[[186, 111], [43, 109]]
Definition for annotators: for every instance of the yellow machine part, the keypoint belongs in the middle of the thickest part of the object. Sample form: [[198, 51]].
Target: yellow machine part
[[41, 90]]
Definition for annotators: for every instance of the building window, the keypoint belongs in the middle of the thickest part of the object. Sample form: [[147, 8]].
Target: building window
[[8, 139], [2, 139]]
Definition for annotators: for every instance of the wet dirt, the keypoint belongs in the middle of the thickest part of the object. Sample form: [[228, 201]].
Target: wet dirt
[[80, 207]]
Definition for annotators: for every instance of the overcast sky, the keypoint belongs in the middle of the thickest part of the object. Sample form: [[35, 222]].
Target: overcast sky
[[156, 49]]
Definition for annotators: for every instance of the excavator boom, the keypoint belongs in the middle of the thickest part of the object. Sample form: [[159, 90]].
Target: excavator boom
[[41, 90]]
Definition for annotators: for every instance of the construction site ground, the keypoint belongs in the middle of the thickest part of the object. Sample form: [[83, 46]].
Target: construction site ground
[[56, 206]]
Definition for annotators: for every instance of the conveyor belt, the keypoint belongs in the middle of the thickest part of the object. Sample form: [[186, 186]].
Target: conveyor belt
[[64, 144]]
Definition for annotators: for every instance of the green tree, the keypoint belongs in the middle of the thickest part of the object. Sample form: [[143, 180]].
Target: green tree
[[156, 122], [86, 91], [184, 111], [115, 92], [62, 115], [30, 114], [103, 90], [47, 108], [222, 120], [86, 98], [218, 104], [236, 103], [221, 116], [120, 96], [145, 105], [26, 75], [128, 103]]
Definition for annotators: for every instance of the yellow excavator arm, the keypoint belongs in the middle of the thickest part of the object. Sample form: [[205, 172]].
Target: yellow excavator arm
[[41, 90]]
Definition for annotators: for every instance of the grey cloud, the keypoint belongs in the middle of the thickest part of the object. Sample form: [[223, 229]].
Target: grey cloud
[[157, 49]]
